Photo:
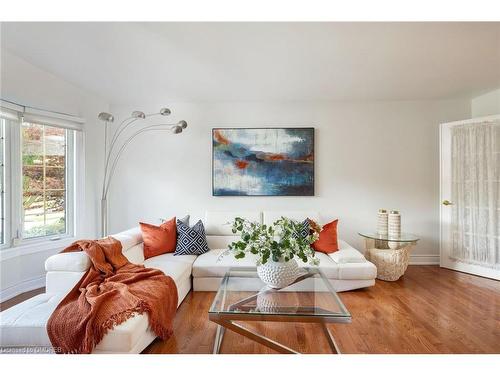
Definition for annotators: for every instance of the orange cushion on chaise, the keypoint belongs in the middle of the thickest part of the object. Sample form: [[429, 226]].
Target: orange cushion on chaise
[[327, 242], [159, 239]]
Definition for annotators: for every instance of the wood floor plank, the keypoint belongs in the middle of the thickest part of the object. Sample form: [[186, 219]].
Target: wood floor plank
[[20, 298]]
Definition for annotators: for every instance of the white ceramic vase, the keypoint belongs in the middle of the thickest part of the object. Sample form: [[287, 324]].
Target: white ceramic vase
[[382, 221], [278, 274]]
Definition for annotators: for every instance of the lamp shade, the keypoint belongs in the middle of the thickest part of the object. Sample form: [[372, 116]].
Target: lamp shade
[[177, 129], [138, 114], [104, 116]]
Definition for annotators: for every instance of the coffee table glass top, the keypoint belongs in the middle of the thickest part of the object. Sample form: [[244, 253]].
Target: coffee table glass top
[[311, 296], [403, 237]]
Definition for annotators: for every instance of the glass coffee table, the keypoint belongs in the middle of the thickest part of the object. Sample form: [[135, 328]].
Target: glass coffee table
[[243, 296]]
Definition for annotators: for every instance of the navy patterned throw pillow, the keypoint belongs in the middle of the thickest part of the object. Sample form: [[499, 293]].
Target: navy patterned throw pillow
[[303, 230], [191, 241]]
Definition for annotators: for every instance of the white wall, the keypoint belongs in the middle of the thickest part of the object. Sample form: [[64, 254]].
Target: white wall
[[368, 156], [26, 84], [486, 104]]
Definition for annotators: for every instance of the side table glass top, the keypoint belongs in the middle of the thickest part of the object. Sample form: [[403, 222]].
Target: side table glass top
[[403, 237]]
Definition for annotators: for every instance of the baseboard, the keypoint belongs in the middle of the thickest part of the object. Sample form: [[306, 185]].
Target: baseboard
[[424, 259], [25, 286]]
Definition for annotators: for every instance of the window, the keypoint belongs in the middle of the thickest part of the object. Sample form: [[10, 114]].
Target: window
[[44, 167], [37, 177]]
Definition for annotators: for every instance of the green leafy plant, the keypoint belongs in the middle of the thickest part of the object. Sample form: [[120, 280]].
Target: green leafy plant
[[280, 241]]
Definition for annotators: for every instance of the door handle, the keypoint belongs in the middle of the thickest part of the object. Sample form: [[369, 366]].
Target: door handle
[[446, 202]]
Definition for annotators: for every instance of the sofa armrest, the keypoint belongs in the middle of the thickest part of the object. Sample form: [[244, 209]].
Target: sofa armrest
[[61, 281], [68, 262]]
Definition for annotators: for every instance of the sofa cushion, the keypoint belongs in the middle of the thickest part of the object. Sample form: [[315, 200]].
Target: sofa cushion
[[326, 264], [25, 325], [357, 271], [77, 261], [347, 256], [129, 238], [135, 254], [217, 223], [124, 337], [215, 264], [221, 242], [177, 267]]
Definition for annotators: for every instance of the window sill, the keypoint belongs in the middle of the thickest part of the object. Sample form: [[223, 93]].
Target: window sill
[[35, 247]]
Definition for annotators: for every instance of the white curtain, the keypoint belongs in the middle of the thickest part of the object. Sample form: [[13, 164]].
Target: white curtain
[[475, 150]]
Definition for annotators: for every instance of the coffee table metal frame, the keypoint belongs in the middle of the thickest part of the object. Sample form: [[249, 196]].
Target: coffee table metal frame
[[226, 319]]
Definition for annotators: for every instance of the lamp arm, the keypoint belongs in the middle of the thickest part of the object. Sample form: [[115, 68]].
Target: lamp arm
[[120, 130], [115, 137], [107, 153], [116, 134], [123, 147]]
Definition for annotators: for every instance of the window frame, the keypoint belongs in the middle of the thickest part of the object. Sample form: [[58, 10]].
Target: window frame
[[6, 224], [14, 214]]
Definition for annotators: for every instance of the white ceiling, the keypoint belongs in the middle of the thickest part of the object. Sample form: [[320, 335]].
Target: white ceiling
[[135, 62]]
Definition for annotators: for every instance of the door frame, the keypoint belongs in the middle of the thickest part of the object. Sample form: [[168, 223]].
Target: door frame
[[445, 193]]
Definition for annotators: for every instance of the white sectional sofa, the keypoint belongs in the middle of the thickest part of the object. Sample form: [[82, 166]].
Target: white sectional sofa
[[24, 325]]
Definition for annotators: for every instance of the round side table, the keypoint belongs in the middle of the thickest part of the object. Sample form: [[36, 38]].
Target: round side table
[[389, 254]]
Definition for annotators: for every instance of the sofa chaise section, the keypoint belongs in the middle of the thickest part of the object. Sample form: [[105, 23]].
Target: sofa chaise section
[[24, 325]]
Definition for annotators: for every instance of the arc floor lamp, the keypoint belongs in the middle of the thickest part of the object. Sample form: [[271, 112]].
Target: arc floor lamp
[[119, 142]]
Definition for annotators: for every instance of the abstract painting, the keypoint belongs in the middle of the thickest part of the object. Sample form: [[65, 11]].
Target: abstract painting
[[263, 161]]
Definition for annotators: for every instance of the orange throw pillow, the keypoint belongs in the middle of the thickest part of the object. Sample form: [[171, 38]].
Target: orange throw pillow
[[159, 240], [327, 241]]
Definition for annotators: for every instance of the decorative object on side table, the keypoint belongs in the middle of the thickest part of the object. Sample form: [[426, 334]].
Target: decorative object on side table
[[390, 254], [394, 228], [119, 141], [382, 222], [276, 247]]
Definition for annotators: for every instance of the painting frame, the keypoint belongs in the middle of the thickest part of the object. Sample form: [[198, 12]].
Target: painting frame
[[313, 151]]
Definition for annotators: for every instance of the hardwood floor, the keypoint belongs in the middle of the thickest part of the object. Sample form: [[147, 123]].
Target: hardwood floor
[[20, 298], [429, 310]]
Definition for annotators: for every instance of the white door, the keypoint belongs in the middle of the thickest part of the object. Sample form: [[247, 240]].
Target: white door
[[470, 196]]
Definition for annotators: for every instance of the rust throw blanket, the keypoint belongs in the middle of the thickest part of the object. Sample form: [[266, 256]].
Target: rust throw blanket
[[109, 293]]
